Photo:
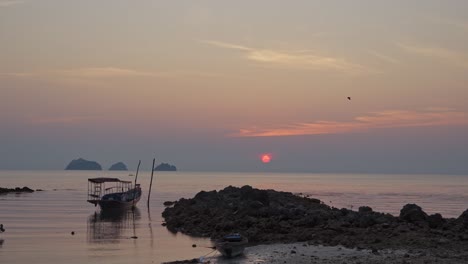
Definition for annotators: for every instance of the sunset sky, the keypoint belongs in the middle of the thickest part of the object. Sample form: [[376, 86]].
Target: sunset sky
[[213, 85]]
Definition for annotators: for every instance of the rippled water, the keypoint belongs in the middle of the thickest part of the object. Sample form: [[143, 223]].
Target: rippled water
[[39, 225]]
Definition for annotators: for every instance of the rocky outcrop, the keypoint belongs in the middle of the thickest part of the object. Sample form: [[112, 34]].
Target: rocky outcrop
[[119, 166], [165, 167], [273, 216], [16, 190], [413, 213], [82, 164]]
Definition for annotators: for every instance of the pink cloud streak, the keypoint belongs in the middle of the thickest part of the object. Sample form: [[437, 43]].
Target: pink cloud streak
[[385, 119]]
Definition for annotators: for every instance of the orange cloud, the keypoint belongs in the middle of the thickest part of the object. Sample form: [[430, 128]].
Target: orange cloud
[[385, 119]]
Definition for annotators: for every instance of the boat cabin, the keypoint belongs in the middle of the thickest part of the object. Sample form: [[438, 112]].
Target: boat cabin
[[111, 189]]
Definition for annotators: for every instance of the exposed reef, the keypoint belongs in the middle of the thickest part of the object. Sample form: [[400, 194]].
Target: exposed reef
[[82, 164], [16, 190], [269, 216]]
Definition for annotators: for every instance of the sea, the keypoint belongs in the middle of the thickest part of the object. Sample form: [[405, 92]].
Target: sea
[[57, 225]]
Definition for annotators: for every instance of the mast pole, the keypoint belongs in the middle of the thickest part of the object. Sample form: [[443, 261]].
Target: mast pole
[[151, 183], [134, 186]]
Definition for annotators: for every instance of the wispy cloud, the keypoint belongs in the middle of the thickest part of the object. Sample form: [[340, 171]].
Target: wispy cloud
[[66, 120], [385, 119], [384, 57], [449, 56], [91, 72], [6, 3], [300, 59], [451, 22], [17, 74], [107, 72]]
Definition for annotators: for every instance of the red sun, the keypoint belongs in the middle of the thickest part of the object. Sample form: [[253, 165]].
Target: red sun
[[266, 158]]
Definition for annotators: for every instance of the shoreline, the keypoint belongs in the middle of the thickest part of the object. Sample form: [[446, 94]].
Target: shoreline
[[304, 253]]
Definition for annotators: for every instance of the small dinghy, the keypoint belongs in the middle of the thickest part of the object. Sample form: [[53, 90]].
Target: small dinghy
[[231, 245]]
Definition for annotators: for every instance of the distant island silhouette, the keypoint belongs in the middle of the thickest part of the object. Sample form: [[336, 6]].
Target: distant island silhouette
[[165, 167], [119, 166], [82, 164]]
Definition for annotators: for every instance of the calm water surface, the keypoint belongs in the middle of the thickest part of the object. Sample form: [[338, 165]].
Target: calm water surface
[[39, 225]]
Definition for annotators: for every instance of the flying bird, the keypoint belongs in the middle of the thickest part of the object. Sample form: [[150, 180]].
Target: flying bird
[[349, 97]]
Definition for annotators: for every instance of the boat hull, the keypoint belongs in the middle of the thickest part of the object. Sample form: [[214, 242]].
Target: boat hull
[[109, 205], [117, 201], [231, 249]]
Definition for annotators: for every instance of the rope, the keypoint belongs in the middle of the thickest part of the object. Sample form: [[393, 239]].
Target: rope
[[208, 253], [202, 258]]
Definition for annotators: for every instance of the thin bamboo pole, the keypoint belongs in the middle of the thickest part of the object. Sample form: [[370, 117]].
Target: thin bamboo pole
[[134, 185], [151, 183]]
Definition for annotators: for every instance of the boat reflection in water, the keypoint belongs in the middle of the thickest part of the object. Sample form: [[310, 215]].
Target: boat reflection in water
[[111, 226], [1, 231]]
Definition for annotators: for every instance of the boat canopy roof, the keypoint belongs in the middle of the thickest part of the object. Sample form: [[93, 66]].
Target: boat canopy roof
[[104, 179]]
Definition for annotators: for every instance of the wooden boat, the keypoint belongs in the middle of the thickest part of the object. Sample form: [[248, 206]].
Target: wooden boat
[[231, 245], [112, 193]]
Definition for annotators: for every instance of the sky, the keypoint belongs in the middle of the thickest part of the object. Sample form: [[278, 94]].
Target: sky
[[213, 85]]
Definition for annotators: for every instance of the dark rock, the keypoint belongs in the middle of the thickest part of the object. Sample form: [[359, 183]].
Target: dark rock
[[272, 216], [463, 218], [256, 204], [165, 167], [385, 225], [366, 221], [82, 164], [119, 166], [16, 190], [464, 215], [168, 203], [365, 209], [435, 221], [26, 189], [413, 213], [206, 195]]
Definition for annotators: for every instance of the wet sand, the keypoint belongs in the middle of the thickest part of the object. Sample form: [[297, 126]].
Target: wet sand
[[303, 253]]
